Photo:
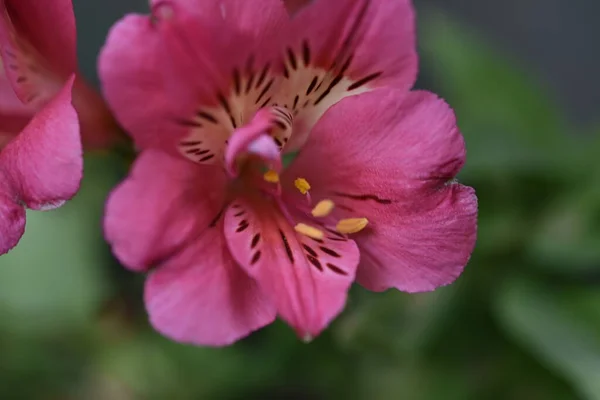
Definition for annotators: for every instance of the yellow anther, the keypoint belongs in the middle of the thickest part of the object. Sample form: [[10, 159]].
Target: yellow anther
[[352, 225], [271, 176], [323, 208], [309, 231], [302, 185]]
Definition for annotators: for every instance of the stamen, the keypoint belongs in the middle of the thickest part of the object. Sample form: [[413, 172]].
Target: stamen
[[309, 231], [302, 185], [271, 176], [352, 225], [323, 208]]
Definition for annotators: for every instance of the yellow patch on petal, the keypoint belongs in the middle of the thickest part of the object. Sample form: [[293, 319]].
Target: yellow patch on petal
[[309, 231], [271, 176], [323, 208], [352, 225], [302, 185]]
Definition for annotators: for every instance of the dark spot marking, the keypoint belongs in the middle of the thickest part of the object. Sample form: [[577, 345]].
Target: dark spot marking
[[215, 220], [305, 52], [315, 262], [336, 233], [239, 213], [277, 142], [335, 81], [207, 116], [267, 101], [312, 85], [250, 82], [286, 73], [286, 244], [263, 76], [206, 158], [224, 103], [318, 240], [310, 251], [364, 81], [296, 99], [242, 226], [336, 269], [364, 197], [265, 90], [233, 123], [255, 240], [191, 143], [292, 57], [330, 252], [237, 81], [21, 79], [255, 258]]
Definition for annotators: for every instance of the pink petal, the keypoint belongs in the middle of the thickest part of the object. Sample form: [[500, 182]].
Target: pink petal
[[293, 6], [346, 47], [390, 157], [32, 78], [12, 217], [49, 28], [10, 105], [421, 250], [44, 162], [162, 207], [379, 34], [308, 280], [218, 63], [202, 297], [132, 82]]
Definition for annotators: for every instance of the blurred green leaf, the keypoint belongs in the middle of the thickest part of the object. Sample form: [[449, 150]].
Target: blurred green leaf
[[568, 239], [553, 325], [56, 276], [509, 121]]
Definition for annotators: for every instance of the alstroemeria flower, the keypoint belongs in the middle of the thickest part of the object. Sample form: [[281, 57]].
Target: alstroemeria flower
[[214, 92], [40, 146], [38, 48]]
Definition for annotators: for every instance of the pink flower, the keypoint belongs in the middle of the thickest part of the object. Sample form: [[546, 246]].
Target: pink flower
[[213, 92], [40, 146], [38, 46]]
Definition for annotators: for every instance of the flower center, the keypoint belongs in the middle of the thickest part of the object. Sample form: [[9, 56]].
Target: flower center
[[253, 155]]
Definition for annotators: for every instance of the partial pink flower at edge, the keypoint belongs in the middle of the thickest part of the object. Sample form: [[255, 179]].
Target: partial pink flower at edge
[[38, 49], [371, 196], [41, 168]]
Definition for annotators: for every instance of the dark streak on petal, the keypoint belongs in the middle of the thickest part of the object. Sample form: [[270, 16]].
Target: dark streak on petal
[[255, 258], [255, 240], [364, 81], [364, 197], [330, 252], [286, 244], [315, 262], [336, 269]]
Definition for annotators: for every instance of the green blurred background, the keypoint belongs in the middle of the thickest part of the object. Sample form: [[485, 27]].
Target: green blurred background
[[522, 322]]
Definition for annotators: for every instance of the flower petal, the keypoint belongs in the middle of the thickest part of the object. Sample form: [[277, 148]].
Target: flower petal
[[351, 47], [132, 82], [162, 206], [307, 279], [390, 158], [12, 217], [49, 28], [32, 78], [202, 297], [44, 162]]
